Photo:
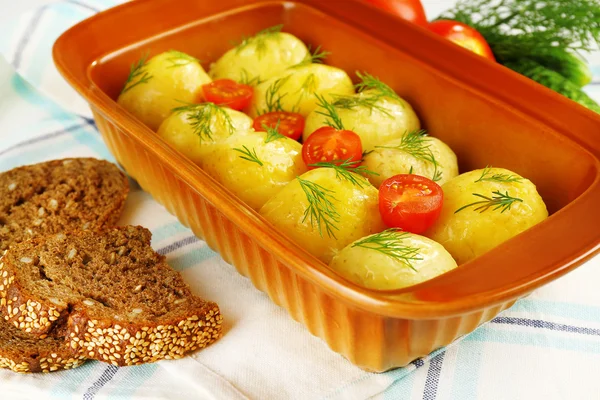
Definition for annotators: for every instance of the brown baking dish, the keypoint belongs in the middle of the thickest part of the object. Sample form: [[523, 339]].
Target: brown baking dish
[[486, 113]]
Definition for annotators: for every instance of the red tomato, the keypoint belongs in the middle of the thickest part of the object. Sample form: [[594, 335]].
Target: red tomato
[[328, 144], [410, 202], [464, 36], [229, 93], [410, 10], [288, 123]]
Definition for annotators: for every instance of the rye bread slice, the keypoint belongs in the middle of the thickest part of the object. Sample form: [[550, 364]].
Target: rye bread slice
[[59, 196], [22, 352], [121, 301]]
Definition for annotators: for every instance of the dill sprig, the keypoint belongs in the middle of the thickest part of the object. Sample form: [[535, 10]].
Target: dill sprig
[[498, 201], [179, 59], [259, 40], [203, 117], [249, 155], [485, 176], [369, 82], [333, 119], [391, 243], [347, 170], [313, 57], [572, 24], [320, 211], [137, 73], [273, 96], [246, 80], [417, 144], [272, 132]]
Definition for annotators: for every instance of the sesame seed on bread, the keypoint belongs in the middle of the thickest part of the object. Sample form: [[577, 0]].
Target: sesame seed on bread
[[58, 196], [22, 352], [121, 302]]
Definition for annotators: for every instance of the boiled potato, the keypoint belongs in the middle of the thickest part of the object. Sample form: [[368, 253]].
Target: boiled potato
[[260, 57], [254, 167], [295, 89], [392, 260], [470, 225], [347, 211], [164, 82], [194, 130], [376, 122], [413, 153]]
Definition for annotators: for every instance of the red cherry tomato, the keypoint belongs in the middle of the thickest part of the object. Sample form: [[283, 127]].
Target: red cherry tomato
[[464, 36], [328, 144], [227, 92], [410, 202], [287, 123], [410, 10]]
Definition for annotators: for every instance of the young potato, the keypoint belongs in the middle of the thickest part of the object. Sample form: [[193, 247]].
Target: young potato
[[413, 153], [323, 212], [295, 89], [376, 118], [392, 260], [164, 82], [260, 57], [484, 208], [194, 130], [255, 166]]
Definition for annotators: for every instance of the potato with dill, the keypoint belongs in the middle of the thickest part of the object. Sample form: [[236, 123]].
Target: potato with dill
[[392, 260], [414, 153], [255, 166], [484, 208], [325, 209], [195, 129], [297, 89], [156, 86], [376, 114], [260, 57]]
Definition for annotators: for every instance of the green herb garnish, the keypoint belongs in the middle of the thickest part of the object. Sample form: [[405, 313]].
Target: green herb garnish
[[485, 176], [273, 97], [320, 211], [347, 170], [179, 59], [313, 57], [249, 155], [416, 143], [246, 80], [137, 74], [329, 112], [391, 243], [498, 201], [368, 82], [259, 40], [272, 132], [203, 117]]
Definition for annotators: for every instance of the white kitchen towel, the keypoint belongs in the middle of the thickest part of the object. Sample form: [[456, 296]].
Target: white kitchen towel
[[546, 346]]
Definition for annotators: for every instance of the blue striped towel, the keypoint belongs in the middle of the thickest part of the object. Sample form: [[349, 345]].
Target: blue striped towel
[[546, 346]]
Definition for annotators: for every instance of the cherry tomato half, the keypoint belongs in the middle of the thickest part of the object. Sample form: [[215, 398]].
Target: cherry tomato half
[[464, 36], [328, 144], [410, 10], [227, 92], [287, 123], [410, 202]]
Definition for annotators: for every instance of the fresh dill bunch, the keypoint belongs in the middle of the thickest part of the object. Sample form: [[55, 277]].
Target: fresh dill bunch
[[417, 144], [202, 117], [272, 132], [499, 201], [333, 119], [485, 176], [320, 211], [347, 170], [137, 74], [179, 59], [568, 24], [259, 40], [369, 82], [391, 243], [249, 155]]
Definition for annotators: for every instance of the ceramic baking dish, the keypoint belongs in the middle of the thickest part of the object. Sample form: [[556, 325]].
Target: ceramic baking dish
[[486, 113]]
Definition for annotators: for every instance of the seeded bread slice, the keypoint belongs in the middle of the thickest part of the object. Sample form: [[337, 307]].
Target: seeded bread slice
[[121, 301], [59, 196], [22, 352]]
